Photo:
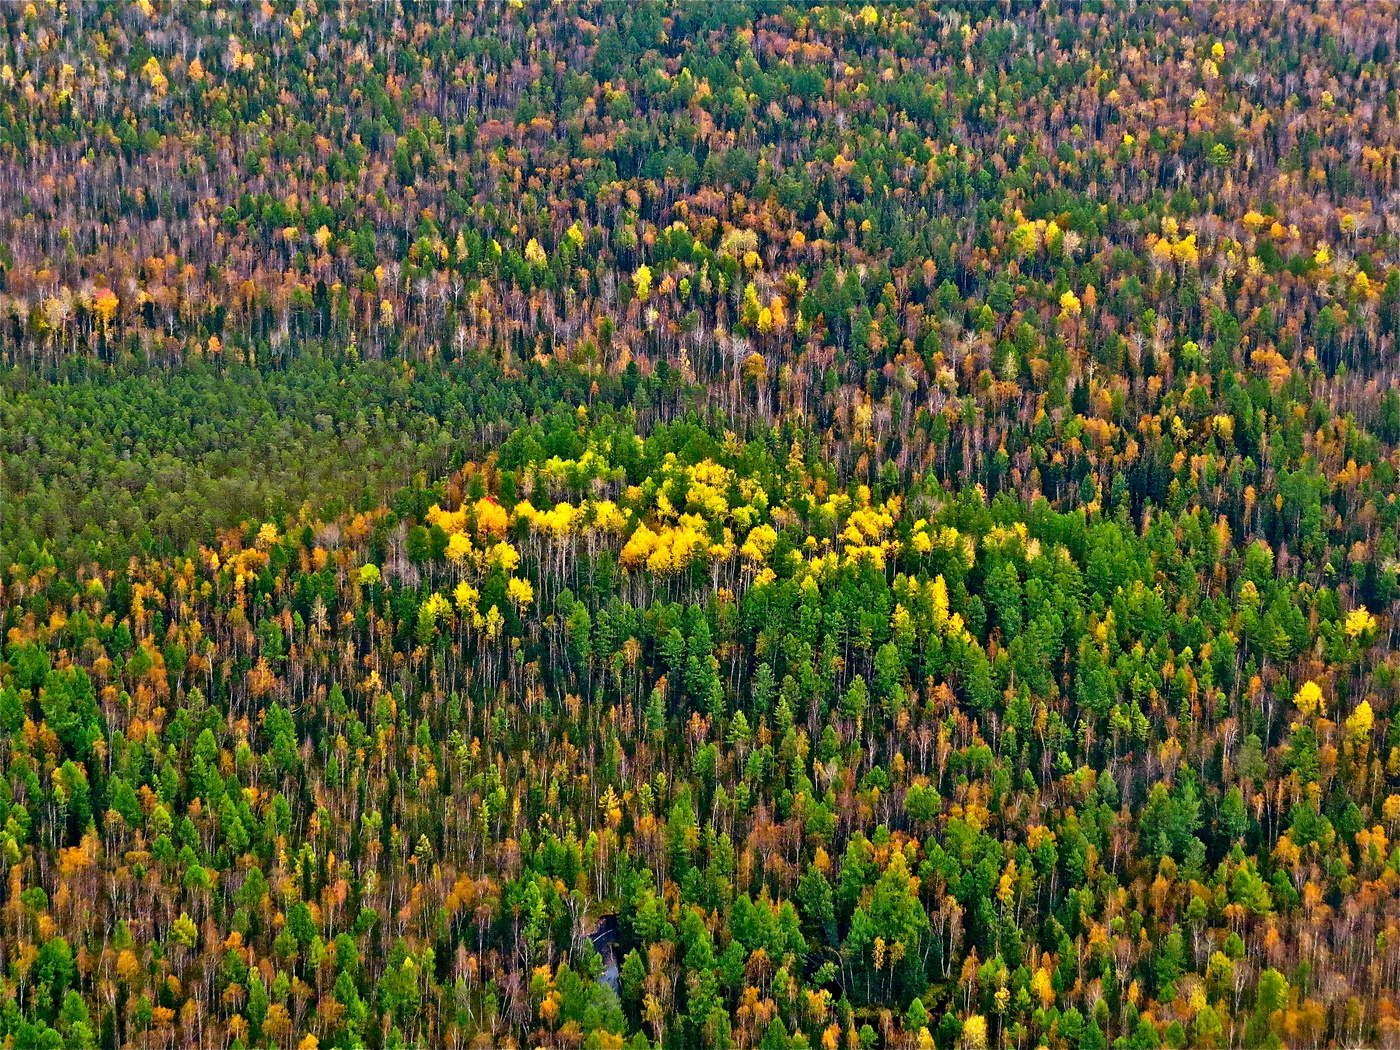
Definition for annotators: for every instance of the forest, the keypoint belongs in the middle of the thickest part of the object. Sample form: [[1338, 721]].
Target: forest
[[665, 525]]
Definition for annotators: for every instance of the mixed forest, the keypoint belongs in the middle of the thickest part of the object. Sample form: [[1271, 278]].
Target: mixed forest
[[744, 524]]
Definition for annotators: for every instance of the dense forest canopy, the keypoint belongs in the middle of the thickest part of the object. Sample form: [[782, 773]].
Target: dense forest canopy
[[746, 524]]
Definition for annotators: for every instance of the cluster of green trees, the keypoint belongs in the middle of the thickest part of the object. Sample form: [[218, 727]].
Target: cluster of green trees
[[101, 463], [877, 764]]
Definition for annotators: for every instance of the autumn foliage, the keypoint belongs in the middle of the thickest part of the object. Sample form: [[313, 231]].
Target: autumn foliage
[[600, 525]]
